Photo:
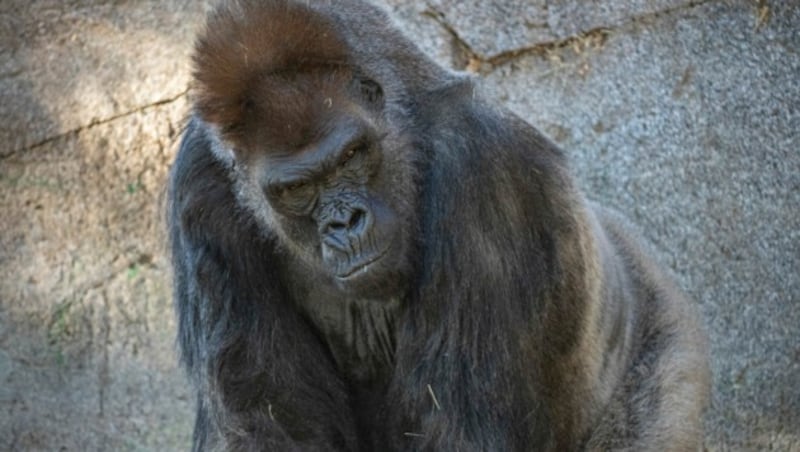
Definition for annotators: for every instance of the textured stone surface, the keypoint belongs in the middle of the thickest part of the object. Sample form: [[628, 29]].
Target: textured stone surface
[[490, 28], [570, 17], [684, 115], [91, 105], [68, 64]]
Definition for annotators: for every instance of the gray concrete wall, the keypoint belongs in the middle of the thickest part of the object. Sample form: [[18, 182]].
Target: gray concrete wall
[[684, 115]]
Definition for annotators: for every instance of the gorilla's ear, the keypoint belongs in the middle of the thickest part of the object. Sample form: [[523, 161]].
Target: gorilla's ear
[[371, 91]]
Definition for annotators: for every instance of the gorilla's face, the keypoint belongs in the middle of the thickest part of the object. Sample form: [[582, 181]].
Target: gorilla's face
[[340, 193]]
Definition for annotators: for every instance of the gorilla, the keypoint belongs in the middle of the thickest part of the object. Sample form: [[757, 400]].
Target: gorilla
[[369, 255]]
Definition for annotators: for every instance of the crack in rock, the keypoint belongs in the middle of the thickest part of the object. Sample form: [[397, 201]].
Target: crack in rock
[[94, 123], [473, 61]]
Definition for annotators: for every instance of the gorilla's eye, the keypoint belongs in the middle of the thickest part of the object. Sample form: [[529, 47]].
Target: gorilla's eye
[[294, 186], [293, 189], [352, 152]]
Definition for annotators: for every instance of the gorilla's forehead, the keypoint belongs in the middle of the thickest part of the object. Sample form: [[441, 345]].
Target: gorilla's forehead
[[320, 145], [292, 110]]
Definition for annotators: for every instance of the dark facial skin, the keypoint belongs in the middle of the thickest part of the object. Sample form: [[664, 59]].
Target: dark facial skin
[[329, 193], [326, 190]]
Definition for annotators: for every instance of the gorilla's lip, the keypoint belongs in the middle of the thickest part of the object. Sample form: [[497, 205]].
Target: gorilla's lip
[[363, 265]]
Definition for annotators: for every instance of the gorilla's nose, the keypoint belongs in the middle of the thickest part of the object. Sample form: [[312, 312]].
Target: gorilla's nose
[[351, 220], [344, 226]]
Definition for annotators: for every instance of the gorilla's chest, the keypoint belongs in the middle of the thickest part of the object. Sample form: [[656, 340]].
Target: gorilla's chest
[[360, 334]]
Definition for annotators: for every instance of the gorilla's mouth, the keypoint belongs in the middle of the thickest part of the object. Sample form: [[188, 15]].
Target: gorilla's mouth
[[361, 267]]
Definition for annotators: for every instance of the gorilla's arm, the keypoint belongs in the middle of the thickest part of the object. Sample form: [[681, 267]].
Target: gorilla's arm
[[253, 359]]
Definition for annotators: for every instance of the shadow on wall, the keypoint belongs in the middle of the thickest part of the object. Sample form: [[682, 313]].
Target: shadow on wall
[[91, 108]]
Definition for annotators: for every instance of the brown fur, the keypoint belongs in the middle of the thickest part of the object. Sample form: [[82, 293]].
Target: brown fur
[[248, 73]]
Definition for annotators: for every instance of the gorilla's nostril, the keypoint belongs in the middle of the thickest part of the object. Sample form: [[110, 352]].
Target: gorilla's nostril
[[356, 219], [346, 222]]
